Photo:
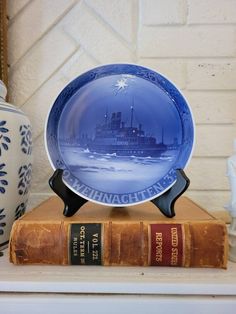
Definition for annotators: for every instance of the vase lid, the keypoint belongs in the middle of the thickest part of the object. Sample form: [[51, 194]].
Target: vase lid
[[3, 90]]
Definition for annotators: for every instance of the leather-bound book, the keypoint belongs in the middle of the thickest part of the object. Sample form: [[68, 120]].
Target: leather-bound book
[[131, 236]]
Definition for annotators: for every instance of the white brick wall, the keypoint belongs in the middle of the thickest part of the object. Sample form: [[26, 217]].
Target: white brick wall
[[157, 12], [182, 41], [42, 22], [211, 11], [192, 42], [40, 62], [211, 74]]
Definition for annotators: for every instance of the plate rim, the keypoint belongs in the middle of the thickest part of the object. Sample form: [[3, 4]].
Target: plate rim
[[114, 64]]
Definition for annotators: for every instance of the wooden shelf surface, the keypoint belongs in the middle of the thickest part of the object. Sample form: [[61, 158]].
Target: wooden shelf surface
[[117, 280]]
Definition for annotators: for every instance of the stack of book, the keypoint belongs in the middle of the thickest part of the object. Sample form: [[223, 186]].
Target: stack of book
[[131, 236]]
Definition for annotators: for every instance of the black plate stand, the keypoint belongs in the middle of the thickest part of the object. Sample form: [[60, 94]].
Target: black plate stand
[[164, 202]]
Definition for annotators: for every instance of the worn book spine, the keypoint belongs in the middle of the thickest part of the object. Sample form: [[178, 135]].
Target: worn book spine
[[186, 244]]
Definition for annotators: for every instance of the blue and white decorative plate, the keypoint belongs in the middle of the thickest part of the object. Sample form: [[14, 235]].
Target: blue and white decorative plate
[[119, 132]]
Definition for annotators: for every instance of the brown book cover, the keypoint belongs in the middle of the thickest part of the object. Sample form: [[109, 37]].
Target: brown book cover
[[131, 236]]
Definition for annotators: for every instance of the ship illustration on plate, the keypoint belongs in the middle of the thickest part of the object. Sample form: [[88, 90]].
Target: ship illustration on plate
[[120, 139], [119, 132], [114, 136]]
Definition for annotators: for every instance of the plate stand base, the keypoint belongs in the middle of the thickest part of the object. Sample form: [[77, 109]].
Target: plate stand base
[[164, 202]]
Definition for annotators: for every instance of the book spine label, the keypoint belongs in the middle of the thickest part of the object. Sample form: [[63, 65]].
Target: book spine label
[[85, 244], [166, 244]]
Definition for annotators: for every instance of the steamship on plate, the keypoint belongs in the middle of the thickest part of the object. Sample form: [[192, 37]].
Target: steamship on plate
[[115, 137]]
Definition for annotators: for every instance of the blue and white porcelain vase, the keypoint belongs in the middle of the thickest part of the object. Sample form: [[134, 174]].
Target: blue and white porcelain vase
[[15, 164]]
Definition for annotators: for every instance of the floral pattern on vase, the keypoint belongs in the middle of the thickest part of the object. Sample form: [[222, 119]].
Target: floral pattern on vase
[[15, 165], [3, 181], [20, 210], [4, 139], [24, 179], [26, 141], [2, 222]]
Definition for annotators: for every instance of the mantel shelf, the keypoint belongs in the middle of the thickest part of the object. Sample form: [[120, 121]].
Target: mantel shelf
[[117, 280]]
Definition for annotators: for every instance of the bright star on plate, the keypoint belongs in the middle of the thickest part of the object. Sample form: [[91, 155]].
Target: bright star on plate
[[121, 84]]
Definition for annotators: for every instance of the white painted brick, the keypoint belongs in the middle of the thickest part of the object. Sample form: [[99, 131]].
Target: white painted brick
[[215, 74], [95, 36], [211, 11], [207, 174], [210, 200], [33, 25], [36, 198], [210, 41], [212, 107], [79, 63], [42, 171], [15, 6], [38, 105], [174, 70], [36, 67], [154, 12], [214, 140], [41, 186], [120, 15]]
